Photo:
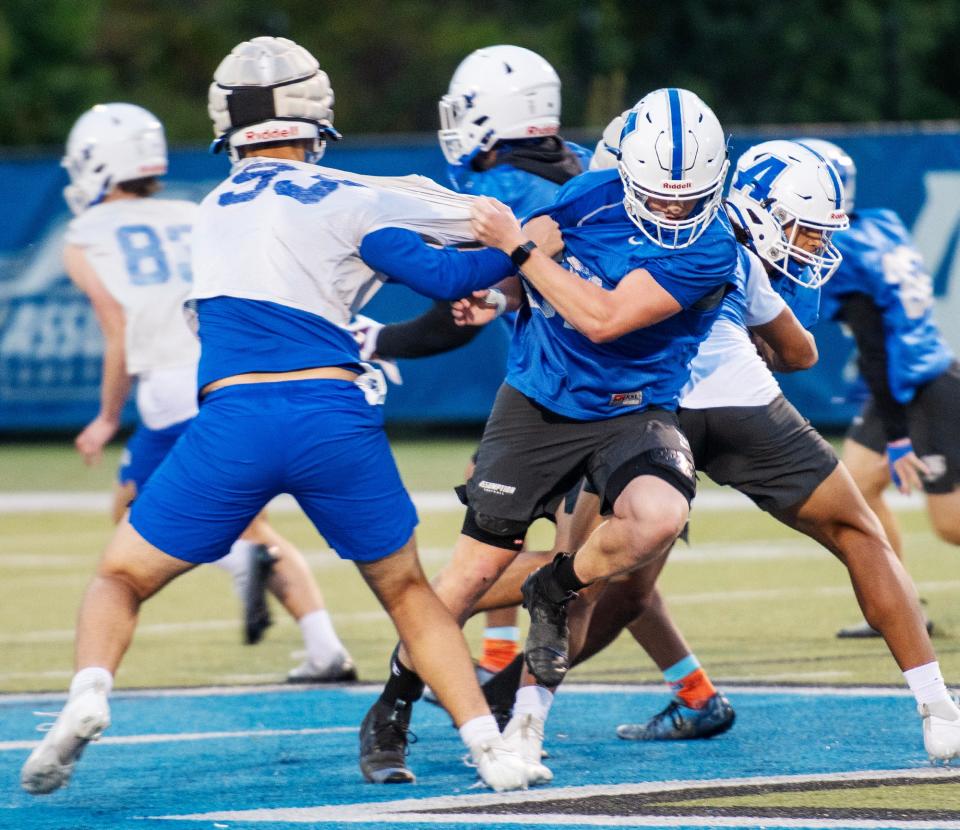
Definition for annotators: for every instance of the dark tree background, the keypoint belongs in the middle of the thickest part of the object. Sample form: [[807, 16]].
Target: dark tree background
[[753, 62]]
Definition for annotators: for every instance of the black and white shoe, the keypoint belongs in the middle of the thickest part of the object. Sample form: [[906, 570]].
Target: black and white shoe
[[546, 650], [384, 736]]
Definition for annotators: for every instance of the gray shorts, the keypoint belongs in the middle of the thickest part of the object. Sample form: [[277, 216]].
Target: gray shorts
[[769, 453], [530, 457]]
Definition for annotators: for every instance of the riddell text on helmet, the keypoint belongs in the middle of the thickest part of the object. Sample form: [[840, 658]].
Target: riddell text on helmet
[[677, 185], [273, 134]]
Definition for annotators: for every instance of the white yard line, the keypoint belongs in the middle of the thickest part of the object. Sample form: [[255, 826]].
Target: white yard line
[[419, 811], [180, 737], [429, 501]]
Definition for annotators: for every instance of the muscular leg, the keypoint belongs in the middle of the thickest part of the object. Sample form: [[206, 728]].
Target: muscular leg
[[647, 517], [123, 495], [130, 571], [837, 516], [944, 513], [870, 474]]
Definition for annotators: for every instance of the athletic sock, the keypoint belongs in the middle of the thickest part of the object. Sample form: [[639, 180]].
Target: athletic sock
[[533, 700], [689, 683], [500, 689], [926, 683], [320, 639], [90, 678], [500, 647], [564, 574], [480, 730], [404, 684], [237, 563]]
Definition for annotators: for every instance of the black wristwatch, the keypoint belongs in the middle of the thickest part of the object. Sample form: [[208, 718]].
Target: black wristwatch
[[521, 253]]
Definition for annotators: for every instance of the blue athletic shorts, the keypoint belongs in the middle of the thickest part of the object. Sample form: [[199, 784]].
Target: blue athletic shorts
[[318, 440], [146, 450]]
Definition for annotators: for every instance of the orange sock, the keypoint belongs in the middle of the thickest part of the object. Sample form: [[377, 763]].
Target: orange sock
[[694, 689], [498, 654]]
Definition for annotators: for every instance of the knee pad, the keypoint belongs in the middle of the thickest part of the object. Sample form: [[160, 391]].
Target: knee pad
[[668, 464], [508, 534]]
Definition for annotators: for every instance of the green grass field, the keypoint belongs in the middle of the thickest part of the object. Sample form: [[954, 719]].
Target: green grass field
[[758, 602]]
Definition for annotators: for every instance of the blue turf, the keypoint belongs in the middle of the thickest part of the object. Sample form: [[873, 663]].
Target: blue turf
[[114, 786]]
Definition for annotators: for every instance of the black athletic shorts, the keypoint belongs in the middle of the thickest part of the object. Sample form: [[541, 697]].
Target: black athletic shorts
[[866, 429], [769, 453], [933, 421], [530, 457]]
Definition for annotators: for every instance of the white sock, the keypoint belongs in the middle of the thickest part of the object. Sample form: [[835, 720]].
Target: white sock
[[481, 730], [237, 564], [926, 683], [533, 700], [90, 678], [321, 641]]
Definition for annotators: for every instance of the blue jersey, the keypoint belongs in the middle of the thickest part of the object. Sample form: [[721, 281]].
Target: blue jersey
[[804, 302], [879, 260], [522, 191], [564, 371]]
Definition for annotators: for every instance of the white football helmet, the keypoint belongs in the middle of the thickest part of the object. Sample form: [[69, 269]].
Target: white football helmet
[[606, 154], [269, 89], [672, 150], [497, 93], [841, 162], [782, 190], [109, 144]]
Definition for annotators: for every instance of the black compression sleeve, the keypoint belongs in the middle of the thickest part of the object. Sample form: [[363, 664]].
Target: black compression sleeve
[[433, 332], [866, 322]]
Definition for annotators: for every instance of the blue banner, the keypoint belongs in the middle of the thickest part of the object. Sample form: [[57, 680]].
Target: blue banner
[[50, 346]]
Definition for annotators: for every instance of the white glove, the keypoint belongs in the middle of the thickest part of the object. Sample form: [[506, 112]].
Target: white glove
[[365, 331]]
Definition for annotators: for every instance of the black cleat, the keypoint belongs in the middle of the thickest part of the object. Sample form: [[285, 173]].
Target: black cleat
[[547, 648], [256, 612], [384, 735]]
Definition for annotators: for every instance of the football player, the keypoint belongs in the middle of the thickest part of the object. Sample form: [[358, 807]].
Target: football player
[[283, 252], [597, 362], [906, 432], [130, 254]]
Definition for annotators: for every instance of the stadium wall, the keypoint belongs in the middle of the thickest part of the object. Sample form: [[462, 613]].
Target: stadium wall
[[50, 348]]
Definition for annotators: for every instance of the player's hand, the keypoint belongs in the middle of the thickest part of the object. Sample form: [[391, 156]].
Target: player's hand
[[546, 233], [494, 224], [365, 331], [94, 438], [474, 310], [905, 468]]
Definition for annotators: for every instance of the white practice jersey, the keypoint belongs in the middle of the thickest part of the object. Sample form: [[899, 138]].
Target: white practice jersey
[[140, 249], [288, 232], [727, 370]]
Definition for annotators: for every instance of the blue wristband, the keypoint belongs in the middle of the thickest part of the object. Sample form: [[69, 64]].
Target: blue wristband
[[895, 451]]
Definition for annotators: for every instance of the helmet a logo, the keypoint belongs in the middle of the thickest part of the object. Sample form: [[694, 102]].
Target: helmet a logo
[[759, 178]]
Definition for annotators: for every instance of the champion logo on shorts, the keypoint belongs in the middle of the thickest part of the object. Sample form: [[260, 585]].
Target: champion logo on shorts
[[626, 398], [937, 464], [497, 489]]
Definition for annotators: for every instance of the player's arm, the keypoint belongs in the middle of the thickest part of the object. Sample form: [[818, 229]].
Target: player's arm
[[784, 344], [115, 384], [438, 273], [600, 315], [433, 332]]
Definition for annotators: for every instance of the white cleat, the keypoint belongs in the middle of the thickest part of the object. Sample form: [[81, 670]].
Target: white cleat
[[524, 735], [500, 768], [82, 720], [941, 729]]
